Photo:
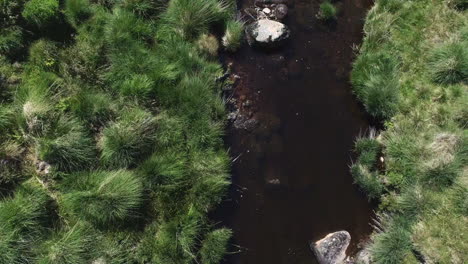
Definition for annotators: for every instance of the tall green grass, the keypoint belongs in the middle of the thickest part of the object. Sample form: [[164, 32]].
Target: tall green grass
[[110, 197], [125, 108], [411, 73]]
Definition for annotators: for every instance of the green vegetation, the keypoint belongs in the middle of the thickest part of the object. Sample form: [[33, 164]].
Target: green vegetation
[[327, 11], [411, 73], [233, 36], [40, 12], [111, 126]]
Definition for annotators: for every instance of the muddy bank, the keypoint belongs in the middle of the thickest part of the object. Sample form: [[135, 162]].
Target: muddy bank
[[291, 182]]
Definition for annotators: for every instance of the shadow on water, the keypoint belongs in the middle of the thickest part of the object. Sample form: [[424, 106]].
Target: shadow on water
[[291, 182]]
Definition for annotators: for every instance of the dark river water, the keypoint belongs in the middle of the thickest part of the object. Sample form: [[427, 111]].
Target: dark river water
[[291, 180]]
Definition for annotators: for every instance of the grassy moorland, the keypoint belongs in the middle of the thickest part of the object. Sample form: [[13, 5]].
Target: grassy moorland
[[111, 122], [412, 73]]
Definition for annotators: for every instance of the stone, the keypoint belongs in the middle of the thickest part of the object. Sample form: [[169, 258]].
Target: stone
[[267, 33], [332, 248], [363, 257], [281, 11], [270, 2], [266, 10]]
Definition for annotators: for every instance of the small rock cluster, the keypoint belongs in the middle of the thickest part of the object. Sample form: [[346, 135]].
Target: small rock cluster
[[267, 30], [332, 250]]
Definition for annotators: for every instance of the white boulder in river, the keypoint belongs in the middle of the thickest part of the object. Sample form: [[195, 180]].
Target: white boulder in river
[[332, 248], [266, 33]]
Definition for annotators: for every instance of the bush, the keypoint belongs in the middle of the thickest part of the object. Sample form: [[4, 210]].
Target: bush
[[77, 11], [110, 197], [375, 79], [41, 12], [128, 140], [233, 36], [66, 145], [214, 246], [448, 64], [73, 246], [367, 180], [327, 11]]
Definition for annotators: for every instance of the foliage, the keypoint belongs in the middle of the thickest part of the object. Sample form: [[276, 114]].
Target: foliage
[[214, 246], [41, 12], [110, 197], [448, 64], [77, 11], [233, 36], [375, 79], [423, 144], [327, 11], [124, 142], [118, 100], [73, 246]]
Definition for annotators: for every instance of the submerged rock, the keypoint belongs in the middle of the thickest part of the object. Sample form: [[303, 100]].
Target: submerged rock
[[281, 11], [267, 33], [332, 248], [270, 2]]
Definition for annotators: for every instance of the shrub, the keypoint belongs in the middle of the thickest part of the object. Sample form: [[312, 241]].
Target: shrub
[[41, 12], [110, 197], [448, 64], [367, 180], [233, 36], [327, 11], [73, 246], [128, 140], [375, 79], [214, 246], [66, 145], [77, 11], [208, 44]]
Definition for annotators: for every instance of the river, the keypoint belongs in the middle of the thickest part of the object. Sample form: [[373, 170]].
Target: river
[[291, 180]]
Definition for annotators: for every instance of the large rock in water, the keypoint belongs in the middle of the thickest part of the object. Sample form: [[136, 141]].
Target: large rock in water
[[267, 33], [332, 248]]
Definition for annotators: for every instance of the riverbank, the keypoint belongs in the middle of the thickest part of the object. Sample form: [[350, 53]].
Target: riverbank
[[412, 73], [111, 123]]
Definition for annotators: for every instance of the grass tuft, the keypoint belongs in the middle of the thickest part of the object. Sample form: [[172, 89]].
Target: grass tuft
[[327, 11], [41, 12], [128, 140], [215, 245], [448, 64], [233, 36], [110, 197]]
